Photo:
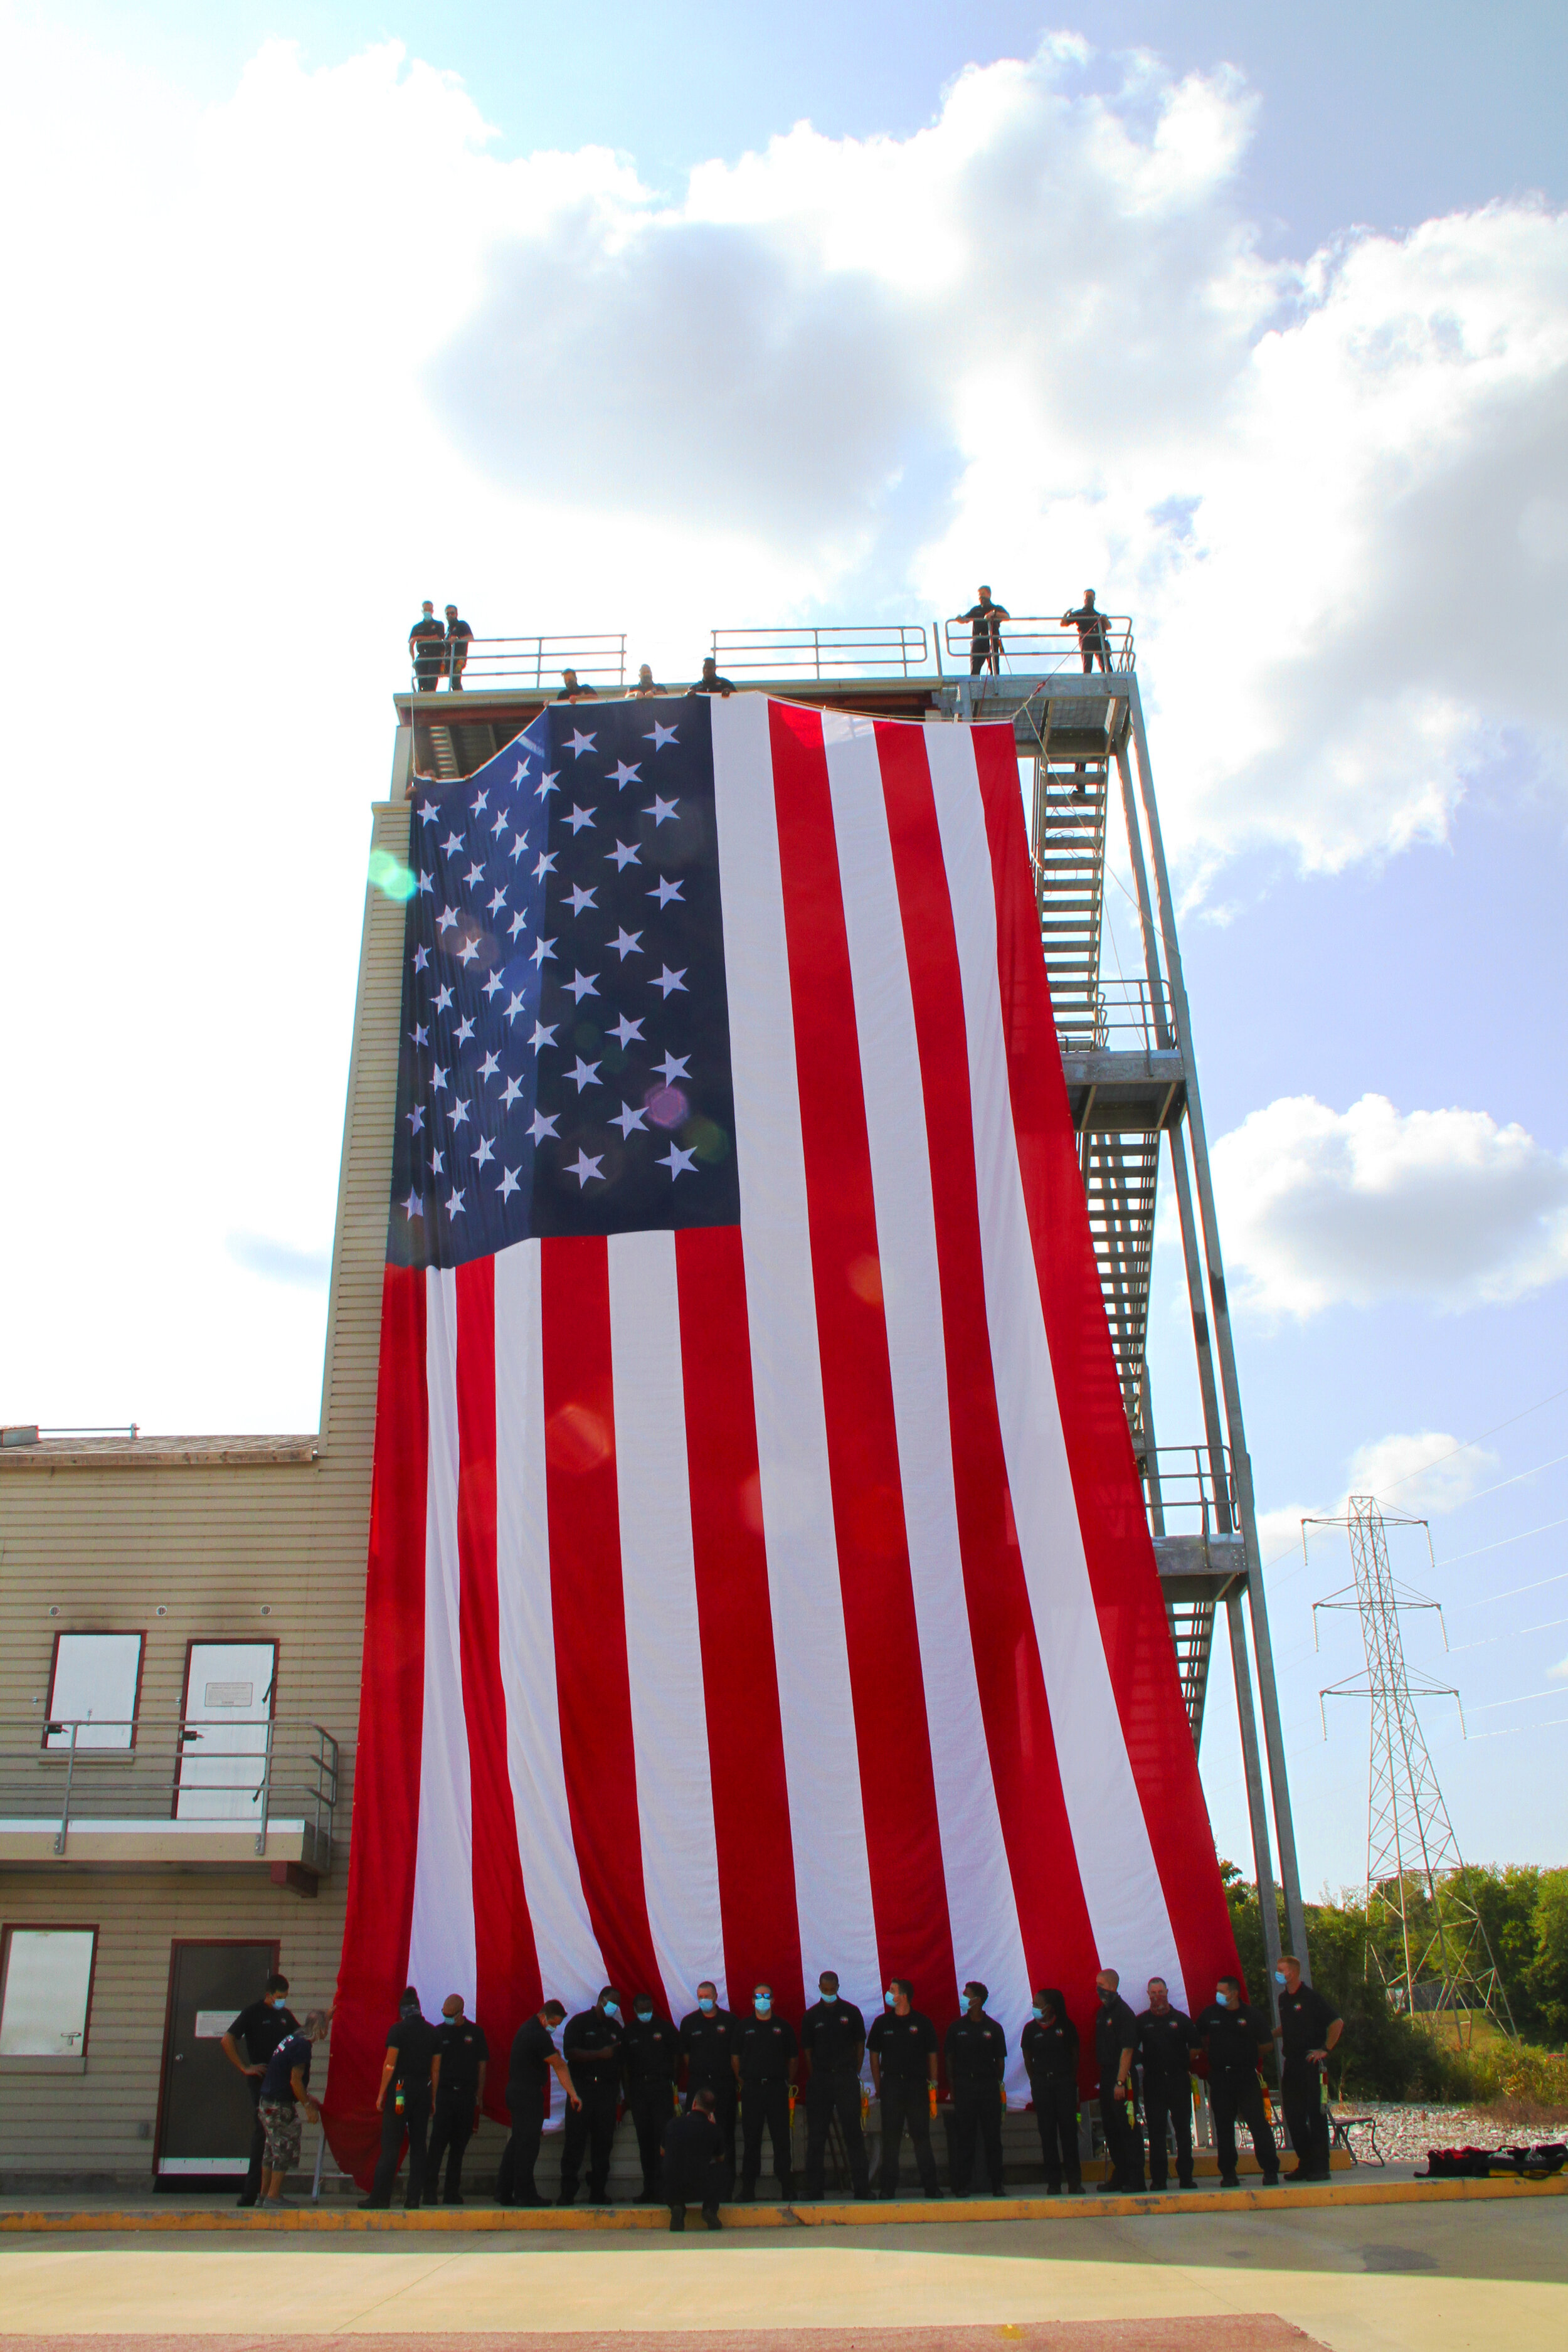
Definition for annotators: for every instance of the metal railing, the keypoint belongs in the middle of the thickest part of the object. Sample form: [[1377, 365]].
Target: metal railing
[[1189, 1501], [157, 1769], [536, 662], [894, 648], [1041, 647], [1119, 1020]]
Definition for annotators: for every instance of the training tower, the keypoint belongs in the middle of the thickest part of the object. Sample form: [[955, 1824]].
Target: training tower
[[1127, 1056], [1444, 1963]]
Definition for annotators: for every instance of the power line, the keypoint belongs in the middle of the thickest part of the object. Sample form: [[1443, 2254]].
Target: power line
[[1500, 1545]]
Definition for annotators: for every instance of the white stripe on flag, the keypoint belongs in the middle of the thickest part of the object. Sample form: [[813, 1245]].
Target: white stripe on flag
[[822, 1765], [987, 1941], [570, 1962], [663, 1647], [441, 1956], [1122, 1887]]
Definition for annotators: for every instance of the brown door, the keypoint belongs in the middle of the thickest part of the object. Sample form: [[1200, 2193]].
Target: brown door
[[205, 2114]]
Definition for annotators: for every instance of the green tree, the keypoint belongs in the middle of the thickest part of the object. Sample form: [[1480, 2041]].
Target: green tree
[[1546, 1977]]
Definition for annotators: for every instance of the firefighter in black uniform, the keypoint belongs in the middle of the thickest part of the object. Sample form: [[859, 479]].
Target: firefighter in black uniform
[[1115, 2039], [765, 2059], [1050, 2046], [1309, 2028], [590, 2046], [1234, 2038], [534, 2058], [708, 2045], [464, 2053], [832, 2035], [427, 649], [902, 2046], [652, 2050], [976, 2054], [1165, 2043], [693, 2162]]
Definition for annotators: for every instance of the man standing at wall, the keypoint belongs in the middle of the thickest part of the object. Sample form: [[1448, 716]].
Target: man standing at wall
[[248, 2046], [410, 2073], [1308, 2030]]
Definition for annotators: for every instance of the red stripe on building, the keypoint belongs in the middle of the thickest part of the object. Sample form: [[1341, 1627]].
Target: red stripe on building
[[898, 1787], [588, 1604], [391, 1711], [506, 1964], [1106, 1484], [1058, 1943], [734, 1615]]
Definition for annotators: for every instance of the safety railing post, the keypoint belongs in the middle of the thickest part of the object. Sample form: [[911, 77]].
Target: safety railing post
[[66, 1798]]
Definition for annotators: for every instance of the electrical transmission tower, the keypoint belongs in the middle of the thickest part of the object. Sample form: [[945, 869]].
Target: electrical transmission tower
[[1445, 1962]]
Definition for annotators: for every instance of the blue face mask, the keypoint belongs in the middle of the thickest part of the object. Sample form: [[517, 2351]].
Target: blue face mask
[[1038, 2011], [763, 2007], [1222, 1997], [613, 2009], [891, 1998], [1280, 1977], [705, 2003], [643, 2016]]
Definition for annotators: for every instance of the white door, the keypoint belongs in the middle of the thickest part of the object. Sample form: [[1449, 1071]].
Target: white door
[[223, 1748]]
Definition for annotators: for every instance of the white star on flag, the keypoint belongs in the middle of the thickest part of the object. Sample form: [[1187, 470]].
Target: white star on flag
[[580, 743], [483, 1150], [625, 1031], [509, 1183], [672, 1068], [542, 1127], [454, 841], [455, 1203], [541, 1035], [413, 1207], [627, 943], [624, 775], [623, 854], [582, 1167], [579, 818], [627, 1119], [665, 892], [668, 981], [661, 736], [586, 1074], [679, 1163], [581, 984], [510, 1092], [465, 1030], [662, 811]]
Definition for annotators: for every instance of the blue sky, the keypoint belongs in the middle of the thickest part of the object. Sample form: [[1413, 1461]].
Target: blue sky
[[1258, 318]]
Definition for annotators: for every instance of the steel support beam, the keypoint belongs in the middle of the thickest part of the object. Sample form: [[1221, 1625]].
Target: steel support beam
[[1224, 1350]]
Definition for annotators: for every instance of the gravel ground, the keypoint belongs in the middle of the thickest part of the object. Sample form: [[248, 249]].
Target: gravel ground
[[1404, 2134]]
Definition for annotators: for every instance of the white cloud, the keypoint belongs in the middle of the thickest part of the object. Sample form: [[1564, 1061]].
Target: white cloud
[[1416, 1474], [1322, 1207]]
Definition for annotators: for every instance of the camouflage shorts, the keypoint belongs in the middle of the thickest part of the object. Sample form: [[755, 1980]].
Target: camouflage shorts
[[280, 2122]]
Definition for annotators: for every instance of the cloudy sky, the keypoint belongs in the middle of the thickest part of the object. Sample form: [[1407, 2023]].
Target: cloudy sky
[[658, 320]]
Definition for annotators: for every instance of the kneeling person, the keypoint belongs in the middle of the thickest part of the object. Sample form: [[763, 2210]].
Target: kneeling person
[[694, 2161]]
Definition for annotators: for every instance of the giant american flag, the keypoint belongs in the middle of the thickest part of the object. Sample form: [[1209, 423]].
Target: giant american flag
[[759, 1580]]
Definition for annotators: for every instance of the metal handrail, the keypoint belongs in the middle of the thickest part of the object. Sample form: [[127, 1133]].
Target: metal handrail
[[1037, 646], [536, 662], [290, 1770], [1120, 1017], [878, 649], [1184, 1477]]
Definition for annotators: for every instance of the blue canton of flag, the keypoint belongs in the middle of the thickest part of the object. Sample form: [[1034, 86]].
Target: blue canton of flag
[[565, 1055]]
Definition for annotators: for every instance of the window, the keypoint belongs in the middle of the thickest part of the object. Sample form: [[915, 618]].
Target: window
[[94, 1685], [45, 1996]]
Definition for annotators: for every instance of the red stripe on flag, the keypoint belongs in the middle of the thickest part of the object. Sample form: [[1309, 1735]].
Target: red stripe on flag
[[734, 1614], [1058, 1943], [898, 1787], [1106, 1484], [391, 1711], [588, 1604], [506, 1964]]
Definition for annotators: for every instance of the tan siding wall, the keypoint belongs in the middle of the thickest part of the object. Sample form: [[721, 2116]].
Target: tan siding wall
[[210, 1543]]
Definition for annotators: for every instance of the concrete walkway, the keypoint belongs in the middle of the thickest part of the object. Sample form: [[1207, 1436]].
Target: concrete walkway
[[1466, 2275]]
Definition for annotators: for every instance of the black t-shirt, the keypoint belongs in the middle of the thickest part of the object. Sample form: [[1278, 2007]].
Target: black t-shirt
[[714, 686], [977, 2051], [1305, 2018], [764, 2046], [1090, 623], [1050, 2051], [987, 621], [1233, 2037], [427, 632], [706, 2043], [1164, 2043], [458, 632], [592, 2030], [293, 2051], [690, 2145], [653, 2053], [1115, 2030], [532, 2048], [577, 694], [902, 2045], [414, 2039], [261, 2027], [833, 2033], [461, 2047]]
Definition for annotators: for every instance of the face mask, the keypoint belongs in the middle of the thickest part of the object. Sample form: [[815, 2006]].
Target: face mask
[[643, 2016], [1038, 2011], [1223, 1997], [1280, 1977], [705, 2004], [828, 1992], [613, 2009], [763, 2007], [891, 1998]]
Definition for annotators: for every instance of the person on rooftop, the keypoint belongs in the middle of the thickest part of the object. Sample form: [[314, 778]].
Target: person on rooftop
[[986, 621], [572, 690], [459, 637], [645, 686], [1093, 643], [427, 649], [710, 682]]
